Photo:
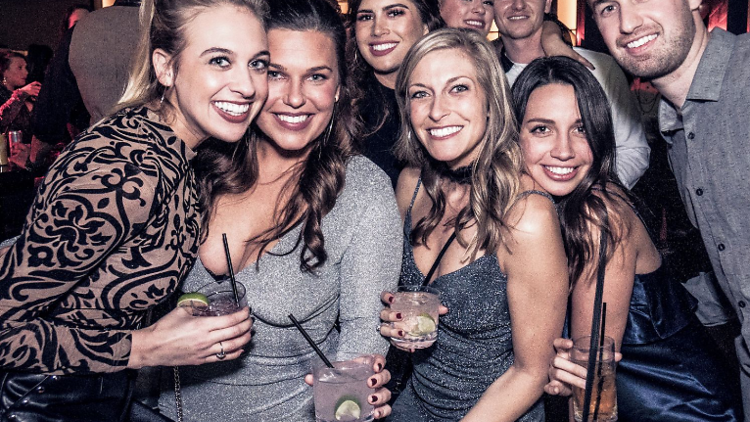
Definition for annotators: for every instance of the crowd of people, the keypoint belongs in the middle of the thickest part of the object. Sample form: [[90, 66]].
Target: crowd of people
[[335, 157]]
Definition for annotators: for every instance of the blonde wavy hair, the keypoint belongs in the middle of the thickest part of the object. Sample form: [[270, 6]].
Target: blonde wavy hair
[[495, 177]]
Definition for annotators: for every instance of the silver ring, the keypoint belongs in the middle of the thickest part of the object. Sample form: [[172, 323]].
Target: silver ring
[[221, 355], [377, 328]]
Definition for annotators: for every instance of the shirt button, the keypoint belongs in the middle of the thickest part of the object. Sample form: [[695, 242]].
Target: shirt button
[[720, 247], [691, 135], [741, 304], [699, 192]]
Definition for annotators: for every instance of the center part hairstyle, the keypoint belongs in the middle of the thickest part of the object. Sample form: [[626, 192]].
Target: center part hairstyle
[[362, 74], [585, 206], [163, 26], [495, 177], [317, 181]]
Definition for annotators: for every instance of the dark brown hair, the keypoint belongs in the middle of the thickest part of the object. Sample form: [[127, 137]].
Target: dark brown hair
[[588, 204], [314, 188]]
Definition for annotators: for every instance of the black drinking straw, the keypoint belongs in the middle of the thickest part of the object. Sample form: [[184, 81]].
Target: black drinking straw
[[310, 340], [600, 384], [231, 270]]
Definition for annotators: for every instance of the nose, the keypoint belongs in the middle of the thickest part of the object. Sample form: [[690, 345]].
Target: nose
[[519, 4], [379, 26], [630, 17], [294, 95], [478, 8], [438, 109], [244, 84], [563, 149]]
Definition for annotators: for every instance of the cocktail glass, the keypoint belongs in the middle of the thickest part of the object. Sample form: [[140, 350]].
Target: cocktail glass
[[603, 407], [419, 316], [221, 300], [340, 393]]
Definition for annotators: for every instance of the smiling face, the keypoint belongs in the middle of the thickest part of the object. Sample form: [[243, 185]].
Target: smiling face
[[15, 75], [520, 19], [220, 84], [385, 30], [447, 106], [555, 149], [649, 39], [471, 14], [302, 89]]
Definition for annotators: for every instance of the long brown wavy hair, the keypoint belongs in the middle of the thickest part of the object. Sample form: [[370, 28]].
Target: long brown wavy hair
[[495, 177], [312, 191], [587, 205]]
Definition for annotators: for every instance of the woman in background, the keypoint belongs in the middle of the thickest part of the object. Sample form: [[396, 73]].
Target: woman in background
[[382, 31], [116, 224], [504, 279], [669, 371], [16, 97], [312, 229]]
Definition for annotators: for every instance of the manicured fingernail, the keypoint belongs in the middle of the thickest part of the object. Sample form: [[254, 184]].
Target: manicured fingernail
[[373, 381], [400, 333], [379, 367], [398, 315], [390, 299], [373, 399]]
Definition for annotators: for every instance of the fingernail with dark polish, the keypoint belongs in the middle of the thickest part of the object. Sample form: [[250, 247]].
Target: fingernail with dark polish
[[400, 333], [373, 399], [398, 315], [373, 381], [379, 367]]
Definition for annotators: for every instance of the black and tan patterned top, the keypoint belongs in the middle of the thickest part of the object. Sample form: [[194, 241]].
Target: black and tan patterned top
[[112, 231]]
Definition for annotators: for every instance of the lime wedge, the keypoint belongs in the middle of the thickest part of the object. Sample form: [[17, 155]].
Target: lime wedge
[[194, 300], [347, 409], [425, 325]]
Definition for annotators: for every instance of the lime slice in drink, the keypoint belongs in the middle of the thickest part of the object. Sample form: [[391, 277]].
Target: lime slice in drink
[[194, 300], [425, 325], [347, 408]]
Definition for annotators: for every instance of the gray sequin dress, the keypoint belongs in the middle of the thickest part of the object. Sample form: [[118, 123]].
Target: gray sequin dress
[[474, 346], [362, 238]]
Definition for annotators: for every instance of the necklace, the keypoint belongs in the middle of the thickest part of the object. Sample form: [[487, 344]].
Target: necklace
[[461, 175]]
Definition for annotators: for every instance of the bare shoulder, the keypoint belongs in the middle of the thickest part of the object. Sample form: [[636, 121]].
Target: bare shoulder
[[407, 182], [533, 214]]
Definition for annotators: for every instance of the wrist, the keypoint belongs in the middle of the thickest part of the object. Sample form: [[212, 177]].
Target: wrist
[[138, 353]]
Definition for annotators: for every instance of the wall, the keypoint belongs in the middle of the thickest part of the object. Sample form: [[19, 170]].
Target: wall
[[24, 22]]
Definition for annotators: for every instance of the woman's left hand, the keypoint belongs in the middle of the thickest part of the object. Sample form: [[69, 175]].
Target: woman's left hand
[[380, 397]]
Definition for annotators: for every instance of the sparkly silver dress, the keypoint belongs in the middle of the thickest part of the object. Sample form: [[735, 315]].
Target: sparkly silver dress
[[474, 345], [362, 238]]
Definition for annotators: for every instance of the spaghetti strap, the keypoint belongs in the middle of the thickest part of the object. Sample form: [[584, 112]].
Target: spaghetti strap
[[536, 192], [414, 196]]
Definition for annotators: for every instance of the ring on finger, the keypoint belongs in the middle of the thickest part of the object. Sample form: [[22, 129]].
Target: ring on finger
[[221, 355], [378, 328]]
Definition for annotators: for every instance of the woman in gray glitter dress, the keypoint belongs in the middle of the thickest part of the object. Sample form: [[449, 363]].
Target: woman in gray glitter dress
[[504, 280], [313, 230]]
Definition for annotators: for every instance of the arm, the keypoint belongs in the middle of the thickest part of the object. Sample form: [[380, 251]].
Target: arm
[[554, 45], [537, 294], [630, 139], [370, 265], [9, 110], [69, 233]]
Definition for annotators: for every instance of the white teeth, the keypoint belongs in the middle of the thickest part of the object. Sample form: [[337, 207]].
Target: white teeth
[[562, 171], [475, 23], [444, 131], [639, 42], [232, 108], [383, 47], [517, 18], [293, 119]]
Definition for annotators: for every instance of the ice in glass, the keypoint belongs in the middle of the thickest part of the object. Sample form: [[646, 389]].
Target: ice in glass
[[419, 310]]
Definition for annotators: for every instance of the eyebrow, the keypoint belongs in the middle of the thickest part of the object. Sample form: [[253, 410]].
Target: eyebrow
[[226, 51], [311, 70], [596, 3], [448, 82], [389, 7]]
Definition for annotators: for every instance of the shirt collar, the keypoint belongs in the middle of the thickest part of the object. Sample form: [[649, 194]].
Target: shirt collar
[[707, 82]]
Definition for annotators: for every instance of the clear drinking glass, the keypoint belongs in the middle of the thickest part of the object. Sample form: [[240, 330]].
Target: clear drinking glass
[[603, 407], [221, 299], [419, 312], [340, 393]]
